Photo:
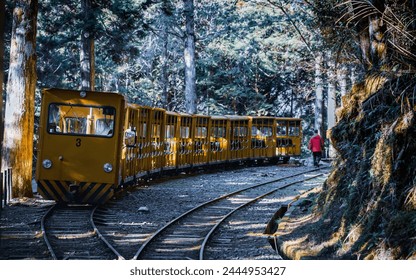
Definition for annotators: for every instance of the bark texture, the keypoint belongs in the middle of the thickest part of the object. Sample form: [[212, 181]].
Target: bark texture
[[19, 115], [189, 57], [87, 48], [2, 16], [318, 93]]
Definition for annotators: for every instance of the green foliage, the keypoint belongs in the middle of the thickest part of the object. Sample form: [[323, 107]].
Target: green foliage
[[250, 58]]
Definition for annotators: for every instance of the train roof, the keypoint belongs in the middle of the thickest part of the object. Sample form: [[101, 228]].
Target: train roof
[[77, 93], [172, 113], [288, 119], [237, 118], [219, 117], [262, 117]]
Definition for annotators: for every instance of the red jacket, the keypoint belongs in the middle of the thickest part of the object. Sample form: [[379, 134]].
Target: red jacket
[[316, 143]]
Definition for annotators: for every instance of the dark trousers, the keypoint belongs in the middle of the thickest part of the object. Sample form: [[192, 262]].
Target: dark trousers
[[316, 158]]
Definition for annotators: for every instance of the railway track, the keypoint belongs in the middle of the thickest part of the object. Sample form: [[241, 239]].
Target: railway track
[[186, 236], [70, 233], [21, 236], [117, 230]]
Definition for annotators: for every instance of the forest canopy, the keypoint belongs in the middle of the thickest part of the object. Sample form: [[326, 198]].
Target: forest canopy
[[252, 57]]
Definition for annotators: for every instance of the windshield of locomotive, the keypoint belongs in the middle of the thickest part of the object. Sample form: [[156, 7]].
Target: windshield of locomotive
[[70, 119]]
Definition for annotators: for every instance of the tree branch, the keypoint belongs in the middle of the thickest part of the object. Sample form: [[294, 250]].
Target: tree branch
[[293, 24]]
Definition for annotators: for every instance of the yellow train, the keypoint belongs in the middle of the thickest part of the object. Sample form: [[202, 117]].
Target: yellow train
[[93, 144]]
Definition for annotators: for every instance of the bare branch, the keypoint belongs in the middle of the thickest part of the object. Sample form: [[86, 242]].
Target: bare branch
[[293, 24]]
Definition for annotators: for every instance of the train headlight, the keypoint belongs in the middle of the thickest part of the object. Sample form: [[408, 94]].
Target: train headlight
[[108, 167], [47, 163]]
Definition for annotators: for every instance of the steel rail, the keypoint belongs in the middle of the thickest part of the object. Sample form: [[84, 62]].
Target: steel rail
[[158, 232], [45, 237], [91, 220], [119, 256], [209, 234]]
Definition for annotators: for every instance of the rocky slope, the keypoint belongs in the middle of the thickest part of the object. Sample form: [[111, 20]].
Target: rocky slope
[[367, 207]]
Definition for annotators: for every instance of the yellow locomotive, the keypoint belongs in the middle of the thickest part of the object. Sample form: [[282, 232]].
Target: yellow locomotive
[[92, 144]]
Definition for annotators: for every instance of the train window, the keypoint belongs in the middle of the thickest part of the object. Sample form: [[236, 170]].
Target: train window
[[294, 128], [75, 125], [201, 132], [218, 132], [104, 126], [282, 128], [240, 131], [170, 131], [79, 120], [185, 132], [261, 131], [156, 130], [266, 131], [143, 130]]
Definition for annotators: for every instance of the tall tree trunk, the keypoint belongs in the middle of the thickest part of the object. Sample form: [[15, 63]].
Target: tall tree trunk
[[2, 21], [364, 43], [353, 75], [377, 29], [19, 117], [189, 57], [87, 48], [165, 78], [332, 96], [318, 93], [342, 80]]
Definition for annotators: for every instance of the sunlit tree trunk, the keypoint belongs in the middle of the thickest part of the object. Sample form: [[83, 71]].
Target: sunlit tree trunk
[[189, 57], [87, 48], [318, 92], [332, 96], [377, 29], [353, 75], [342, 80], [19, 124], [364, 44], [164, 74], [2, 17], [331, 90]]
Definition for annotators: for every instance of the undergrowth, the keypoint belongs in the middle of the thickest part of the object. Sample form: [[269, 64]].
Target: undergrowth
[[369, 200]]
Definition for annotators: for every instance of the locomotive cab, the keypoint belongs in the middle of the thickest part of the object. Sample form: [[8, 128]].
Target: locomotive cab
[[79, 147]]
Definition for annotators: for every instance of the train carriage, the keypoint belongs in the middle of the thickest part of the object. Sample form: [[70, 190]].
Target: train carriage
[[185, 150], [171, 140], [157, 131], [219, 139], [92, 144], [288, 137], [201, 141], [263, 137], [240, 136], [79, 145], [129, 155]]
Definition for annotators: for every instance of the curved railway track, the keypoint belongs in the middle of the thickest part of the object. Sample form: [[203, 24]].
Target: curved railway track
[[70, 233], [186, 236], [21, 235]]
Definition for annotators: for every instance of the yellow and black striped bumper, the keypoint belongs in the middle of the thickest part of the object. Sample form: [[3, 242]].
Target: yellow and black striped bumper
[[65, 191]]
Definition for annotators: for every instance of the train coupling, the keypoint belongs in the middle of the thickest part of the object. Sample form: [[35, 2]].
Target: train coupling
[[74, 190]]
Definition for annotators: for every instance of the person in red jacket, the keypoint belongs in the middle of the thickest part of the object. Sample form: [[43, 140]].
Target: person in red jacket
[[315, 145]]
